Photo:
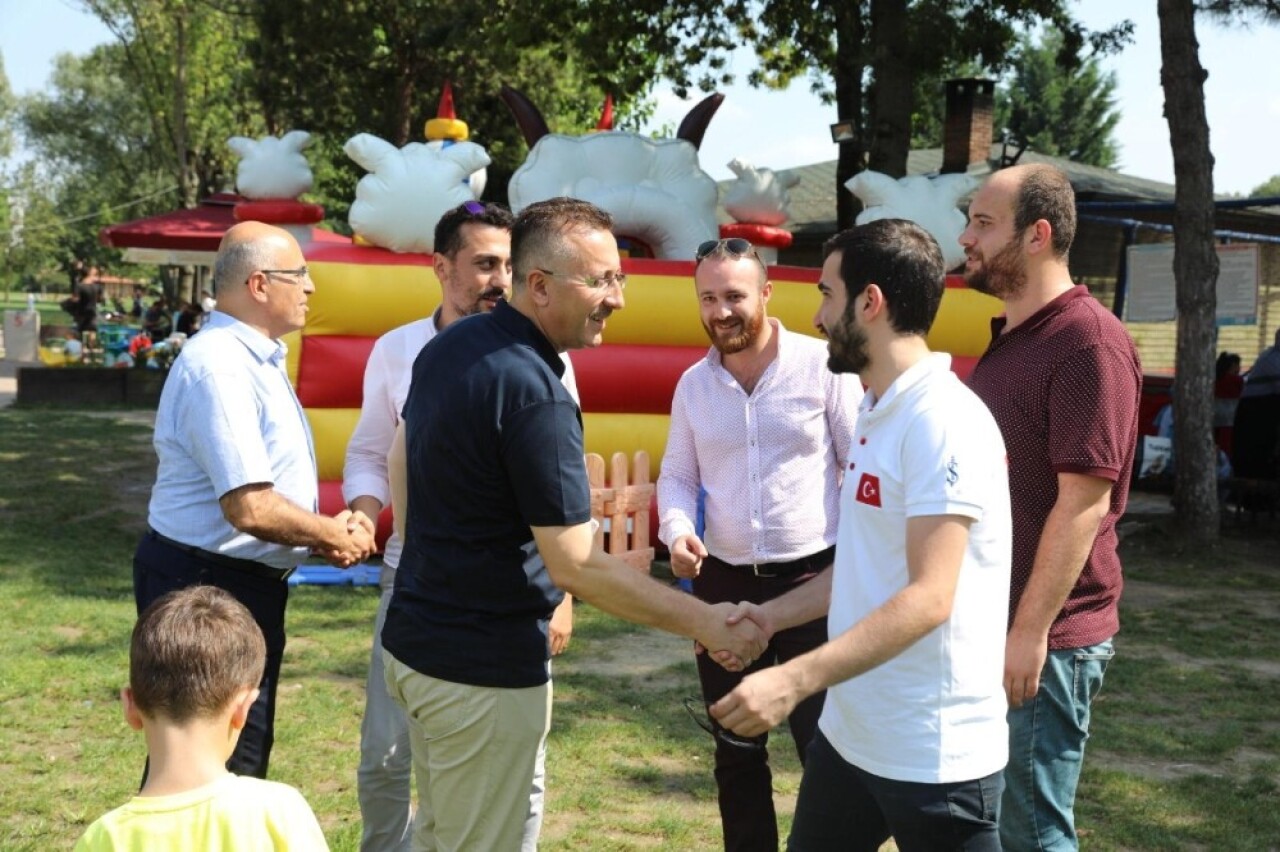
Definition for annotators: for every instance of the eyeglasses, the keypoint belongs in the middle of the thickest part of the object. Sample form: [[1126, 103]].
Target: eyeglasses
[[593, 282], [734, 247], [296, 274], [698, 712]]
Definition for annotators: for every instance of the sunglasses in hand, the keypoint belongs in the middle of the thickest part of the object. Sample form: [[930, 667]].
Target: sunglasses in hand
[[697, 710]]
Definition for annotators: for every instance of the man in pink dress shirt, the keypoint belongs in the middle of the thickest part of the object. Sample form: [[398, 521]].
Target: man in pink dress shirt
[[761, 428]]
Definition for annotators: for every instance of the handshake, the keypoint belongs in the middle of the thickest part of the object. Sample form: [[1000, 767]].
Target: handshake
[[351, 541], [735, 635]]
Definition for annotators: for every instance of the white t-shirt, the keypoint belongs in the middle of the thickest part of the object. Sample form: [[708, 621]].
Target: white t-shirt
[[936, 712]]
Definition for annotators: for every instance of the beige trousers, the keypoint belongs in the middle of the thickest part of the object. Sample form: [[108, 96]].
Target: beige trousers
[[474, 750]]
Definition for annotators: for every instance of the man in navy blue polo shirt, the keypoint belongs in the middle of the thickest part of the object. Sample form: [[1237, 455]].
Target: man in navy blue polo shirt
[[498, 523]]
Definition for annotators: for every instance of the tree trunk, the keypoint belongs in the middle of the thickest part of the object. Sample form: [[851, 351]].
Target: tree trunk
[[848, 84], [892, 90], [1195, 270], [181, 147]]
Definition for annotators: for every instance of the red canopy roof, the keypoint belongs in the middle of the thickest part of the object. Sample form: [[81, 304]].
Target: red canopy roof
[[198, 229]]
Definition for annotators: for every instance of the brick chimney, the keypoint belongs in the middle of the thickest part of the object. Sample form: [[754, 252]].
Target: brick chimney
[[967, 128]]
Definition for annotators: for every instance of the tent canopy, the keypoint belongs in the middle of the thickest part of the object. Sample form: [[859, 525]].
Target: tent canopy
[[185, 237]]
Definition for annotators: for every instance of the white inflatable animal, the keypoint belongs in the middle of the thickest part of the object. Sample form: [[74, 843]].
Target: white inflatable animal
[[408, 189], [271, 167], [654, 188], [758, 196], [929, 202]]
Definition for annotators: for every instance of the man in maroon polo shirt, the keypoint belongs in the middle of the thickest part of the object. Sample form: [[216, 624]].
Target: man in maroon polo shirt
[[1062, 378]]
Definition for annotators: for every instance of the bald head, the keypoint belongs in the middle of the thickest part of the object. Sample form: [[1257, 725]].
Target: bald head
[[259, 277], [1041, 192], [246, 247]]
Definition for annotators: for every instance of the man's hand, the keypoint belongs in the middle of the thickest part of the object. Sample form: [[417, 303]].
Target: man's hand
[[761, 702], [359, 518], [734, 646], [561, 627], [1024, 659], [744, 611], [357, 545], [687, 553]]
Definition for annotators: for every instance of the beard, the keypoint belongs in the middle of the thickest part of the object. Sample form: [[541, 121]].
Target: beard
[[750, 332], [847, 350], [1004, 275]]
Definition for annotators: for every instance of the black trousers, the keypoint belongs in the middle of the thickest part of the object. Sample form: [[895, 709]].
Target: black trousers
[[842, 808], [743, 779], [159, 568]]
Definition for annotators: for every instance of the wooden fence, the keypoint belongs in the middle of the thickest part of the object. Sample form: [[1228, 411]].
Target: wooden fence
[[622, 503]]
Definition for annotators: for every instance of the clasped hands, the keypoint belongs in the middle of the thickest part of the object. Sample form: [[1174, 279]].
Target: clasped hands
[[359, 543], [736, 635]]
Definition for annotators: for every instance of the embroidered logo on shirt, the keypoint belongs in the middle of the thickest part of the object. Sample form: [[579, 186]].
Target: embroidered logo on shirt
[[953, 471], [869, 490]]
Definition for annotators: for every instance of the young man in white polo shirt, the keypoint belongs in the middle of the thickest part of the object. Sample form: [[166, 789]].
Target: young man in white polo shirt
[[912, 741]]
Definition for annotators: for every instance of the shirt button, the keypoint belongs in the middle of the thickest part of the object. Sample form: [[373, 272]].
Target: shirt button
[[862, 440]]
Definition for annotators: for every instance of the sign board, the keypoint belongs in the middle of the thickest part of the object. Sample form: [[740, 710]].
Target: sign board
[[1150, 286]]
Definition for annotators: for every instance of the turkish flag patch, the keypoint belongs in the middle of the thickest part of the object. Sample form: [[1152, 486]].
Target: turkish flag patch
[[869, 490]]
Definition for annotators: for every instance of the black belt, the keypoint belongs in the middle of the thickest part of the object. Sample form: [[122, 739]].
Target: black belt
[[246, 566], [804, 565]]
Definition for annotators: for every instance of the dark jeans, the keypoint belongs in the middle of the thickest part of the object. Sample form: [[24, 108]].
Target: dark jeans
[[842, 807], [743, 778], [159, 568]]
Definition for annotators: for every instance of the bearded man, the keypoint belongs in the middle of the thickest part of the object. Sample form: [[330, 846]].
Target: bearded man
[[1062, 379], [760, 430]]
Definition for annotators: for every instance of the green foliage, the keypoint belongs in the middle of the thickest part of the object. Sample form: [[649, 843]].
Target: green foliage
[[378, 66], [7, 106], [1064, 111], [1269, 188]]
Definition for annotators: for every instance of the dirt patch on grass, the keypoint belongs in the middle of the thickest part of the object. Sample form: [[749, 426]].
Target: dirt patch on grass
[[645, 656]]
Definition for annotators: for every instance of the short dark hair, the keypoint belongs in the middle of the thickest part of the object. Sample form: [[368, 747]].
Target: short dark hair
[[1045, 193], [191, 650], [448, 237], [903, 260], [537, 237]]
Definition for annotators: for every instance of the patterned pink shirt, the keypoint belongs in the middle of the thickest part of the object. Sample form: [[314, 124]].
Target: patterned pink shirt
[[769, 462]]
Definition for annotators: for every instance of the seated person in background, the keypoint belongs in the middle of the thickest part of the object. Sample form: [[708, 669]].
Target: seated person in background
[[156, 321], [195, 662], [1227, 387]]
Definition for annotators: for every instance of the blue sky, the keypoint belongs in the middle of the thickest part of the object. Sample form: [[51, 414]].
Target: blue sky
[[783, 129]]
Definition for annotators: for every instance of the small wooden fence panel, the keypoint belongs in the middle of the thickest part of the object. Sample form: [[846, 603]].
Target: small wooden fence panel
[[623, 502]]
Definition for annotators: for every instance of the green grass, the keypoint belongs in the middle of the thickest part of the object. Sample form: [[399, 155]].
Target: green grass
[[1185, 751]]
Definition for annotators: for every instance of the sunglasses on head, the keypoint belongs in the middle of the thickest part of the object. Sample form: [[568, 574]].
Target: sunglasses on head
[[733, 247], [475, 208]]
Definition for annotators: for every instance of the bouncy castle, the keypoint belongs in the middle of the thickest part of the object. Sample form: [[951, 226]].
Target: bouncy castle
[[662, 203]]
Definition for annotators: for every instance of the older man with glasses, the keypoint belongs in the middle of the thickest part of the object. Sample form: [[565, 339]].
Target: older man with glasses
[[762, 429], [234, 504]]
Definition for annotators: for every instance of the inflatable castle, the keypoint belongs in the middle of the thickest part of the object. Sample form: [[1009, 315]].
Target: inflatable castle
[[663, 205]]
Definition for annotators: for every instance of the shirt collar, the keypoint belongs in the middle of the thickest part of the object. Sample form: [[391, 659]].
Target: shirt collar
[[522, 328], [1056, 306], [931, 364], [264, 348]]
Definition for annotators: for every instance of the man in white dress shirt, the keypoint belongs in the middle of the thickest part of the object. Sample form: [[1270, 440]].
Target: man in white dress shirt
[[473, 263], [762, 428], [234, 504]]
